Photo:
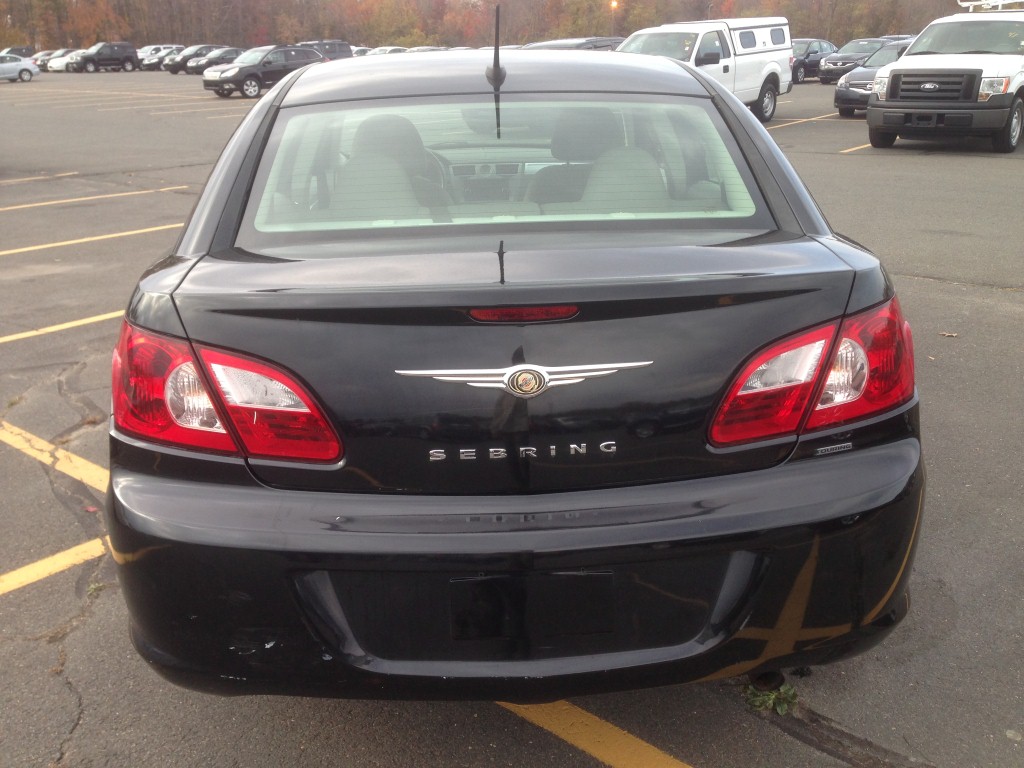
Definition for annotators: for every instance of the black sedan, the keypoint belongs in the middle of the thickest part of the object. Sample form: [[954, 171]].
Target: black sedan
[[214, 58], [854, 88], [851, 55], [807, 55], [156, 61], [177, 62], [464, 381]]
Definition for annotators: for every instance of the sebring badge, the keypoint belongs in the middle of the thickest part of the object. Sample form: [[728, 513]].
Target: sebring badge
[[525, 381]]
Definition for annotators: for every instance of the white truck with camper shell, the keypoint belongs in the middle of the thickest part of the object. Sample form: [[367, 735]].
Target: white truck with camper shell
[[753, 58], [962, 76]]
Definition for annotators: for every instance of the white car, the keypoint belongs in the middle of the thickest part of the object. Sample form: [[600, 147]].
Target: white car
[[60, 64], [16, 68]]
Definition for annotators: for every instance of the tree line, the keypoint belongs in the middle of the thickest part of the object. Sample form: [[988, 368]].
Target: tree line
[[79, 23]]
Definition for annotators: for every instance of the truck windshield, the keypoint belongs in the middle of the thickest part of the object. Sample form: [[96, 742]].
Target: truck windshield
[[675, 45], [999, 36]]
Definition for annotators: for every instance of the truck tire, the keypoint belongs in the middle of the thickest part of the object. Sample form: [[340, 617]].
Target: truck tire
[[1009, 135], [767, 101], [129, 65], [89, 66], [881, 139]]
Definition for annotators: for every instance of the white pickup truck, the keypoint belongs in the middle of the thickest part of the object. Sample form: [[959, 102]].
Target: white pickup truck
[[753, 58], [963, 75]]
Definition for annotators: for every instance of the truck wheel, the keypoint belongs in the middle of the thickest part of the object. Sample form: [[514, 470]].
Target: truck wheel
[[129, 65], [846, 111], [90, 66], [800, 75], [764, 109], [881, 139], [251, 87], [1009, 135]]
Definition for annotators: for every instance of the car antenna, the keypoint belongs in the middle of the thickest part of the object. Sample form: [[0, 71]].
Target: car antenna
[[496, 72]]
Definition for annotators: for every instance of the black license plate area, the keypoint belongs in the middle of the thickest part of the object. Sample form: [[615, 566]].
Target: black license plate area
[[535, 606]]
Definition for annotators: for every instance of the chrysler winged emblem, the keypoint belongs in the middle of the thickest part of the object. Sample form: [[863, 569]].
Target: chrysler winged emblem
[[525, 380]]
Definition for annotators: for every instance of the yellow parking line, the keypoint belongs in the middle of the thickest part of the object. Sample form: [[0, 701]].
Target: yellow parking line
[[46, 453], [73, 466], [805, 120], [93, 239], [59, 327], [855, 149], [606, 742], [5, 182], [42, 569], [91, 197]]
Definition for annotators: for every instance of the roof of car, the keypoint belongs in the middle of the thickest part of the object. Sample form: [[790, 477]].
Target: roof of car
[[456, 72]]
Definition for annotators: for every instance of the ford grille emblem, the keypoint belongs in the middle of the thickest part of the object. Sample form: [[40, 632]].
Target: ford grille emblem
[[930, 87], [524, 381]]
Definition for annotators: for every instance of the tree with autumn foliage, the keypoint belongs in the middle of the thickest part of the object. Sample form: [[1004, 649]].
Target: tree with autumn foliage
[[59, 23]]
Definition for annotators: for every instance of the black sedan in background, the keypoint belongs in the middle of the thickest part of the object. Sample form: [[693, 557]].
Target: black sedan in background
[[807, 54], [851, 55], [854, 88], [156, 61], [177, 62], [465, 381], [217, 56]]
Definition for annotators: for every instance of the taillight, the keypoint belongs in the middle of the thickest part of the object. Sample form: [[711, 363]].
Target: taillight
[[272, 413], [158, 396], [160, 393], [872, 369], [524, 314], [789, 389]]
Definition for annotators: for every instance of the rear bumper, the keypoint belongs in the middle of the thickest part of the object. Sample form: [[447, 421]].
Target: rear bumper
[[235, 588]]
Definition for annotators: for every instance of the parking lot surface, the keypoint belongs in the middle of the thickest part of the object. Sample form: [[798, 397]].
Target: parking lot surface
[[97, 174]]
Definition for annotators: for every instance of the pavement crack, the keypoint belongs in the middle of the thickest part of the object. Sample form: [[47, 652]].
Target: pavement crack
[[948, 281], [827, 736]]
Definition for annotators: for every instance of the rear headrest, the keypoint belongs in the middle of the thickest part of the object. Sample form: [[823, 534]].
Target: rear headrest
[[391, 135], [582, 134]]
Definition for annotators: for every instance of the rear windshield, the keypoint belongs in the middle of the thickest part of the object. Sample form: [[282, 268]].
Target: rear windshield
[[861, 46], [344, 170]]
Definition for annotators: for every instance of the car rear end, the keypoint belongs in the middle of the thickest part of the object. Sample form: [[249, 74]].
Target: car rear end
[[376, 439]]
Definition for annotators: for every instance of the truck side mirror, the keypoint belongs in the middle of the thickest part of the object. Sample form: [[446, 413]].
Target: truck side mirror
[[708, 58]]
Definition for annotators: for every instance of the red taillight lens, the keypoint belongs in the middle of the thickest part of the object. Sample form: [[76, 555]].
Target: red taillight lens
[[272, 413], [770, 396], [157, 394], [160, 394], [870, 370]]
